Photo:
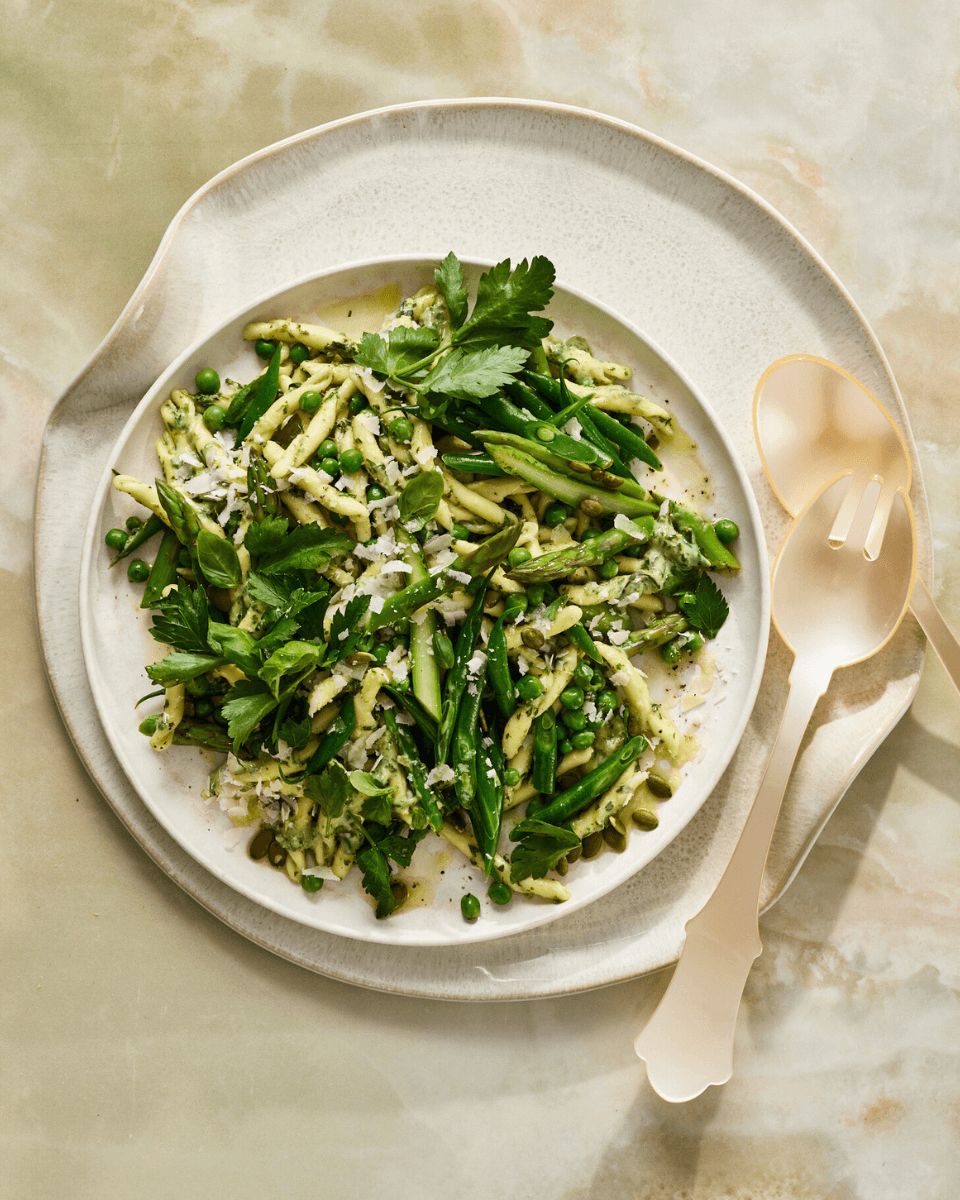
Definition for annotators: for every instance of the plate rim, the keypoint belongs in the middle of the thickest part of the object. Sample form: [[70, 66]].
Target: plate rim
[[481, 932]]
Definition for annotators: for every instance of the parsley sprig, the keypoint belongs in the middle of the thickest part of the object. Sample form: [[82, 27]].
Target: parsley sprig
[[479, 354]]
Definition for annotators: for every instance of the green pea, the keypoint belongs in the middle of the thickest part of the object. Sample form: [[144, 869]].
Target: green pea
[[565, 746], [514, 605], [310, 402], [460, 532], [470, 907], [133, 524], [263, 348], [529, 688], [672, 652], [555, 515], [202, 708], [511, 777], [330, 465], [138, 571], [358, 404], [608, 699], [148, 726], [575, 719], [400, 429], [572, 697], [535, 594], [609, 569], [375, 492], [299, 353], [583, 740], [518, 555], [207, 381], [590, 535], [726, 530], [443, 651], [694, 641], [380, 652], [327, 449], [214, 417], [311, 883], [583, 674], [116, 539], [351, 461], [499, 893]]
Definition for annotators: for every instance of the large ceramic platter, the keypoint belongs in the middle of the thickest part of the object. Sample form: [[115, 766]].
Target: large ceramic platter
[[713, 275], [117, 643]]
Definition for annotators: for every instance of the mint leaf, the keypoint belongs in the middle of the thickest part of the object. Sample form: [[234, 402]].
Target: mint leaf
[[705, 607], [265, 537], [505, 300], [540, 849], [376, 879], [449, 279], [367, 784], [401, 849], [247, 703], [261, 397], [420, 498], [218, 560], [377, 808], [180, 667], [183, 619], [475, 374]]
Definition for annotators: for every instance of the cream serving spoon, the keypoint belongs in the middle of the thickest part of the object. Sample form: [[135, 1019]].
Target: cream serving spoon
[[814, 420], [833, 606]]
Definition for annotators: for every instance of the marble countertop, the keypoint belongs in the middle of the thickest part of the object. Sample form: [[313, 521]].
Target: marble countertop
[[149, 1050]]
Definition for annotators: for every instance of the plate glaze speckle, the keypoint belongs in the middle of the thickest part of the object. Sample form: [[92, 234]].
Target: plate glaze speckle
[[708, 270], [116, 641]]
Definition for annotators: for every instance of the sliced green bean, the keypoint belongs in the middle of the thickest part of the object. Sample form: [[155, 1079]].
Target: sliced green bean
[[152, 526], [335, 738], [164, 570], [498, 667], [486, 815], [476, 464], [545, 753], [458, 675], [416, 771]]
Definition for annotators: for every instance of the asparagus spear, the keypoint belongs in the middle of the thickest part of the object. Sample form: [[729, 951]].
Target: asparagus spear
[[557, 563]]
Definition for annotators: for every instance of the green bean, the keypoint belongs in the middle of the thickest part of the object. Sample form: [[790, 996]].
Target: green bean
[[164, 570], [465, 737], [457, 676], [583, 641], [476, 464], [153, 525], [498, 666], [545, 753], [576, 471], [704, 534], [335, 738], [567, 804], [527, 398], [427, 724], [486, 816], [416, 771], [514, 420], [262, 396]]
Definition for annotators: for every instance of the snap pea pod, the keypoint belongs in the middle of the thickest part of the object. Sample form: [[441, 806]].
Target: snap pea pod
[[545, 753], [334, 739], [416, 771], [714, 551], [476, 464], [454, 427], [164, 570], [631, 444], [565, 489], [525, 397], [557, 563], [147, 530], [593, 434], [464, 742], [567, 804], [458, 675], [486, 816], [427, 724], [262, 396], [584, 642], [498, 667], [514, 420]]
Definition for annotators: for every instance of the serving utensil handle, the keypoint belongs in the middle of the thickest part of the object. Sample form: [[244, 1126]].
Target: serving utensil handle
[[939, 634], [688, 1042]]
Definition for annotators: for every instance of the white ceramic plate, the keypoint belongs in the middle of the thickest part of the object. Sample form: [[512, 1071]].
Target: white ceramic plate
[[117, 644]]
